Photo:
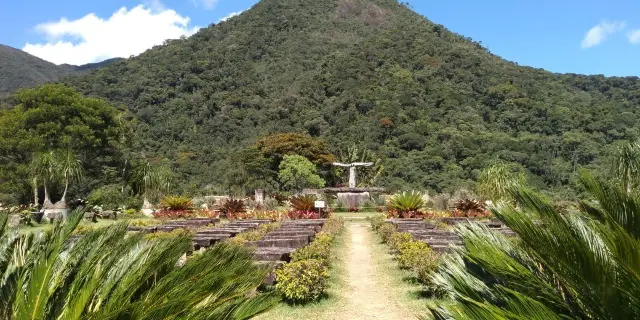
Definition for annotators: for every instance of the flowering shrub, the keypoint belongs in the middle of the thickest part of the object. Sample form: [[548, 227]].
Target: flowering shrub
[[174, 214], [297, 215], [207, 213]]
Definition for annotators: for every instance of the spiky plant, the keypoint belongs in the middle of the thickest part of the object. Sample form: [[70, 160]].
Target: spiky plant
[[109, 274], [583, 265], [406, 202], [231, 207], [303, 202], [470, 208], [177, 203]]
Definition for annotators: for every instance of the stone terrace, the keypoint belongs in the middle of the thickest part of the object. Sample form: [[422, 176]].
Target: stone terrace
[[441, 240], [278, 245]]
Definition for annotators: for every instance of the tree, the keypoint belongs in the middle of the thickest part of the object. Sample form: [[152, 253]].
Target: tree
[[297, 172], [497, 180], [582, 265], [151, 179], [69, 169], [276, 146], [44, 167], [55, 117], [627, 165]]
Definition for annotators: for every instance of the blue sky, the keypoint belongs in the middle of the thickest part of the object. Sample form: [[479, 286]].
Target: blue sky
[[579, 36]]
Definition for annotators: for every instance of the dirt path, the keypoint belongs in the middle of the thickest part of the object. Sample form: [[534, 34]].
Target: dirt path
[[367, 296]]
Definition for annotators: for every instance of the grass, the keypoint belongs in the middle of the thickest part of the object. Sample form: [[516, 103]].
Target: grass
[[357, 215], [44, 226], [402, 283], [320, 309]]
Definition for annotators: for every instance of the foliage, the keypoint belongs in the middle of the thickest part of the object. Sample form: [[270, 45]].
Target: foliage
[[582, 265], [302, 281], [627, 165], [108, 274], [305, 215], [109, 197], [52, 118], [168, 214], [232, 207], [206, 213], [277, 146], [297, 172], [496, 181], [367, 176], [151, 179], [415, 255], [303, 202], [176, 233], [469, 208], [386, 230], [255, 235], [406, 202], [319, 249], [399, 239], [376, 222], [177, 203]]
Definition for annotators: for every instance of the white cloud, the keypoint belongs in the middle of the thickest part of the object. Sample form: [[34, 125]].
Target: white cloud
[[599, 33], [207, 4], [634, 36], [125, 33], [230, 15]]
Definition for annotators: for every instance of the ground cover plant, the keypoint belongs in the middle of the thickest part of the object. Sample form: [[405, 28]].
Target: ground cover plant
[[577, 265], [110, 274]]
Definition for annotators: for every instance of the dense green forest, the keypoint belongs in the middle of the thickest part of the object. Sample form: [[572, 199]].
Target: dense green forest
[[436, 107], [19, 69]]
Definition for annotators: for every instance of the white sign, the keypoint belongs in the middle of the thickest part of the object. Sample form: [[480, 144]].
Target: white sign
[[319, 204]]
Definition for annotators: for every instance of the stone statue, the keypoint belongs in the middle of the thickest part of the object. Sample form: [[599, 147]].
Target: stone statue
[[352, 170]]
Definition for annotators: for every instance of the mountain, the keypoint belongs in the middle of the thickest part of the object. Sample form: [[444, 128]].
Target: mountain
[[19, 69], [435, 106]]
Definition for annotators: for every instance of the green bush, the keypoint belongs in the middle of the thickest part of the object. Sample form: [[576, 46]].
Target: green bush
[[302, 281], [398, 240], [108, 197], [407, 201], [386, 231], [376, 222], [414, 255], [319, 249]]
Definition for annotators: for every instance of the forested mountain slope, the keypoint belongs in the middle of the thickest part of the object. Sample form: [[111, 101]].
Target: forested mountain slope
[[437, 107], [19, 69]]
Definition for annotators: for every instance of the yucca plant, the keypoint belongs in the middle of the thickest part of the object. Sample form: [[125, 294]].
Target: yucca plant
[[303, 202], [581, 265], [406, 202], [110, 274]]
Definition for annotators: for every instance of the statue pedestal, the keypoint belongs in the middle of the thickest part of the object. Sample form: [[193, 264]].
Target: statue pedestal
[[353, 197]]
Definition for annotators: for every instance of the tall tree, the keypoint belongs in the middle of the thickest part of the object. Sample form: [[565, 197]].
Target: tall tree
[[297, 172], [497, 180], [627, 165], [70, 170]]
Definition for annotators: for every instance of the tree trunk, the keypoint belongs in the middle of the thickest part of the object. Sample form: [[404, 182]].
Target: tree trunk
[[35, 192], [47, 200], [66, 187]]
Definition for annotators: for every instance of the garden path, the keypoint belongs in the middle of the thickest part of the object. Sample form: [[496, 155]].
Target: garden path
[[367, 293]]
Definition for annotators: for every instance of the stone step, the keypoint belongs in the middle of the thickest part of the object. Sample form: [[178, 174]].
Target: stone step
[[435, 242], [305, 237], [280, 243], [273, 254], [427, 237], [292, 233], [144, 229], [205, 242]]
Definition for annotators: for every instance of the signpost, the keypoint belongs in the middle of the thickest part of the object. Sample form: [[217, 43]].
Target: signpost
[[319, 205]]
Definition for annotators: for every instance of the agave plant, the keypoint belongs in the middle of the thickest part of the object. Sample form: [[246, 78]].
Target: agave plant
[[583, 265], [303, 202], [406, 202], [110, 274]]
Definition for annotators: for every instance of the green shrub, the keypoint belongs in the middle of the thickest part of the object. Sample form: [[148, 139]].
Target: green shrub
[[257, 234], [398, 240], [333, 225], [319, 249], [133, 202], [376, 222], [414, 255], [302, 281], [177, 233], [386, 231], [108, 197]]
